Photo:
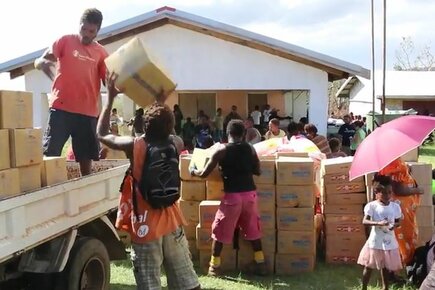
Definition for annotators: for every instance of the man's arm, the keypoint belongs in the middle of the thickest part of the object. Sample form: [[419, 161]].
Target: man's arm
[[124, 143], [211, 164], [46, 63]]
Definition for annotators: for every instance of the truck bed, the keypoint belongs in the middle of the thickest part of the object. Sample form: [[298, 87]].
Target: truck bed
[[31, 218]]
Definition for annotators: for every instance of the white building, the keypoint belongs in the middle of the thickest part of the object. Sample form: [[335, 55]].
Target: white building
[[217, 65], [404, 90]]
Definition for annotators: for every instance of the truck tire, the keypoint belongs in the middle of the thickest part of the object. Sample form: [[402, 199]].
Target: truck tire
[[88, 267]]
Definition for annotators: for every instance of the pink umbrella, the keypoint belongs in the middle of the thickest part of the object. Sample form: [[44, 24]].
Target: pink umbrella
[[389, 142]]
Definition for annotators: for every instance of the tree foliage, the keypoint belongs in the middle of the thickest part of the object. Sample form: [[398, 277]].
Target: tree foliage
[[408, 58]]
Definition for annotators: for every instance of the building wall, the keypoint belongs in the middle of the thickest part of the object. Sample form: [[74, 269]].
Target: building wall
[[199, 62]]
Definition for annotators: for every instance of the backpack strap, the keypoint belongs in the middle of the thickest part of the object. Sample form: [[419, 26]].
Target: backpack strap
[[139, 152]]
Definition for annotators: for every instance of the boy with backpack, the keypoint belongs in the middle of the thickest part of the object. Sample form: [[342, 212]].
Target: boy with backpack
[[150, 189], [238, 161]]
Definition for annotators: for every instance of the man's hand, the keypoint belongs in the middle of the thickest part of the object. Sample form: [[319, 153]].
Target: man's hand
[[46, 66], [112, 91]]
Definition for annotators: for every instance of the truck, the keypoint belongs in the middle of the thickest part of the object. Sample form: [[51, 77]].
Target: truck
[[63, 236]]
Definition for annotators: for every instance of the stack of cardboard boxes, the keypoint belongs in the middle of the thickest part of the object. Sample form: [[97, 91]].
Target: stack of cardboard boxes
[[296, 238], [343, 202], [285, 194], [22, 166], [422, 173]]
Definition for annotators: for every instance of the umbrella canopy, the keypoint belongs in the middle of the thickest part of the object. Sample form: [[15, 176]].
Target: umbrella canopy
[[389, 142]]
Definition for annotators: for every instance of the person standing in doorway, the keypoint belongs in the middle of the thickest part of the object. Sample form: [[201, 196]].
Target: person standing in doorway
[[218, 123], [74, 106], [256, 117]]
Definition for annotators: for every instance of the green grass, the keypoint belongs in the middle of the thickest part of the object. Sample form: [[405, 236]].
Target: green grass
[[324, 277]]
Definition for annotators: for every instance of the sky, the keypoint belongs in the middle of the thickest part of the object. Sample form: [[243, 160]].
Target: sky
[[338, 28]]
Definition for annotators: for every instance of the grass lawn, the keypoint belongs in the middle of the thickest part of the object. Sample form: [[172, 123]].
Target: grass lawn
[[334, 277]]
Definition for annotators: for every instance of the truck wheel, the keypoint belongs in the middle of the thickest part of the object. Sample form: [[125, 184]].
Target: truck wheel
[[88, 266]]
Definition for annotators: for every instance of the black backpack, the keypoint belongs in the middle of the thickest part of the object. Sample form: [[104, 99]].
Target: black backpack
[[160, 183], [416, 271]]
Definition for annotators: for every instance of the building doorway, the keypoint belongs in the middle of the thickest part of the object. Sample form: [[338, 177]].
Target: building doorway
[[191, 103], [256, 99]]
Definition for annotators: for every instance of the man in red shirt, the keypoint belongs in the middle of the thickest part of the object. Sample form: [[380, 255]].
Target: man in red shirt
[[74, 104]]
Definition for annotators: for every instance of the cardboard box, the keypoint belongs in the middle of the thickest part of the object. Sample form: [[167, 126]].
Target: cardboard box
[[214, 190], [342, 257], [16, 110], [425, 215], [427, 197], [295, 219], [266, 196], [267, 217], [294, 171], [349, 219], [336, 165], [228, 259], [335, 178], [53, 170], [346, 199], [5, 161], [342, 188], [411, 156], [194, 252], [424, 235], [295, 195], [203, 238], [140, 75], [207, 212], [340, 242], [193, 190], [190, 210], [422, 172], [342, 209], [30, 177], [287, 264], [199, 160], [190, 231], [9, 182], [291, 154], [25, 146], [296, 242], [267, 168], [350, 229]]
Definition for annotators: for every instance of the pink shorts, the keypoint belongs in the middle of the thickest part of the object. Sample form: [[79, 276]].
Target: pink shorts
[[237, 210]]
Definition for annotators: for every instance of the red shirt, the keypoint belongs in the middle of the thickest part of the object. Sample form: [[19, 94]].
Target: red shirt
[[80, 69]]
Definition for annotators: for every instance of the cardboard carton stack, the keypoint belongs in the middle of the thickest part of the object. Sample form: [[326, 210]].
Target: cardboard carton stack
[[22, 167], [343, 202], [422, 173], [296, 242]]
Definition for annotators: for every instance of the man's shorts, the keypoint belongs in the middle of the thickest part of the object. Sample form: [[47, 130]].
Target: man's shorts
[[171, 251], [237, 210], [81, 128]]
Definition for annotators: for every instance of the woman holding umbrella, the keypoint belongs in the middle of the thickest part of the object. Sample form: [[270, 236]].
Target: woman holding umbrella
[[406, 193]]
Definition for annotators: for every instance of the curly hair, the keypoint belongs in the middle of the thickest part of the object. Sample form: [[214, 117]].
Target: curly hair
[[158, 122], [93, 16], [236, 128]]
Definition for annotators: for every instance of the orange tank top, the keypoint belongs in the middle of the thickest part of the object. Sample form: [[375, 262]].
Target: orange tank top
[[148, 223]]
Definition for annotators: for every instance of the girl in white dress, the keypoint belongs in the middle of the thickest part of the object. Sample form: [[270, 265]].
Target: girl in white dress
[[381, 251]]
